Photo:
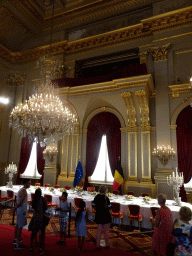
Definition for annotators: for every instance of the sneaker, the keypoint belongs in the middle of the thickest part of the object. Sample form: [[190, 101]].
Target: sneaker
[[20, 247], [59, 242], [63, 243], [14, 241]]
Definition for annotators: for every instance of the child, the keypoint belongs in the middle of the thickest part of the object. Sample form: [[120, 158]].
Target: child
[[80, 224], [64, 208]]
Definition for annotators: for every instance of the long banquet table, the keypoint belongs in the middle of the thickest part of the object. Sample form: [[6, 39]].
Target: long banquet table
[[88, 198]]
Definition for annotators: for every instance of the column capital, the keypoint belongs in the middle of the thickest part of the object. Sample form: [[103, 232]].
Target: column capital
[[160, 53]]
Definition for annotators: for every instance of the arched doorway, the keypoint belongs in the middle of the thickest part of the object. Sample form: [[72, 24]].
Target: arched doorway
[[102, 123]]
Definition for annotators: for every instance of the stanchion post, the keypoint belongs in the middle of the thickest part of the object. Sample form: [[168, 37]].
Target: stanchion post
[[69, 222], [13, 219]]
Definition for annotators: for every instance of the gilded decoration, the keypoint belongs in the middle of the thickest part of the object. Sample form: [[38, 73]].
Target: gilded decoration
[[15, 79], [131, 112], [117, 37], [144, 108], [160, 52], [178, 89]]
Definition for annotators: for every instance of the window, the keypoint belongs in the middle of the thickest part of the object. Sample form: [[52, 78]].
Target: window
[[31, 170], [102, 172]]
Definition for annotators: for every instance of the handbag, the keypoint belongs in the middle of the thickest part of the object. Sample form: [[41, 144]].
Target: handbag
[[46, 220]]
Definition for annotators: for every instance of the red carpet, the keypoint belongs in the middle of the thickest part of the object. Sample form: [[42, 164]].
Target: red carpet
[[51, 249]]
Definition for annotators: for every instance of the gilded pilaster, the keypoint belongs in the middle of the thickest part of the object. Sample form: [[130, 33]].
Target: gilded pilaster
[[144, 108], [64, 157], [132, 136], [161, 52], [74, 149]]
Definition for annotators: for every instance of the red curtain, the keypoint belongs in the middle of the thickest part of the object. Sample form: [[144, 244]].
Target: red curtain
[[108, 124], [184, 146], [131, 70], [40, 162], [24, 157]]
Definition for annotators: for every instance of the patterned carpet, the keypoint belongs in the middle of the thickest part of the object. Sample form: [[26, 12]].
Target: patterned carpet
[[120, 238]]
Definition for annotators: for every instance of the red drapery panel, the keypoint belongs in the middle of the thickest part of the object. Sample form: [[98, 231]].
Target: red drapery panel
[[40, 162], [24, 156], [184, 146], [131, 70], [102, 123]]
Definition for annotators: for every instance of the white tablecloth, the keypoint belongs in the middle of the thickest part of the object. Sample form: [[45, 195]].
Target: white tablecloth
[[87, 197]]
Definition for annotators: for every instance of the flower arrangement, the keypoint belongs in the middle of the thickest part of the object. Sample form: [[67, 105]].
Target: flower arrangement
[[147, 198], [94, 193], [79, 189], [109, 194], [62, 190], [129, 197], [36, 187], [51, 189]]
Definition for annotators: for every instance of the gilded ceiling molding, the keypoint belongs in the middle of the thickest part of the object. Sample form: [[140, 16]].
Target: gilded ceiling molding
[[15, 79], [117, 37], [131, 111], [178, 89], [144, 108], [160, 53], [169, 20]]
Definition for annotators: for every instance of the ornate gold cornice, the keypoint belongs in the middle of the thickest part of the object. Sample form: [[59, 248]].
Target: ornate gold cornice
[[144, 81], [178, 89], [145, 29], [173, 127], [131, 111], [144, 108], [160, 52]]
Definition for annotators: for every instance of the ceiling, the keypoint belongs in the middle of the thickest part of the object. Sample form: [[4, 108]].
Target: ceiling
[[27, 24]]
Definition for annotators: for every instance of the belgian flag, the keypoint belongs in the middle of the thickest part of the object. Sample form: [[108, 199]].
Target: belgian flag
[[118, 177]]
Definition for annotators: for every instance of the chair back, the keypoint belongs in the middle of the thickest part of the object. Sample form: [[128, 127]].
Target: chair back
[[37, 184], [46, 185], [116, 192], [77, 201], [10, 194], [90, 189], [56, 186], [153, 211], [134, 209], [115, 207], [144, 194], [130, 193], [67, 187], [48, 198]]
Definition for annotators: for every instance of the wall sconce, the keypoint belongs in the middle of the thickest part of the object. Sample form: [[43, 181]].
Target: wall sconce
[[50, 152], [163, 154]]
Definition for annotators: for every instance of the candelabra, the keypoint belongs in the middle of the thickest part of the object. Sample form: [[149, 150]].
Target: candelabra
[[50, 152], [163, 153], [11, 169], [177, 181]]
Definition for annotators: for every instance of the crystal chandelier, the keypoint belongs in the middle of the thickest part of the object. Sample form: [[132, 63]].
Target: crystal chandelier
[[43, 115], [163, 153]]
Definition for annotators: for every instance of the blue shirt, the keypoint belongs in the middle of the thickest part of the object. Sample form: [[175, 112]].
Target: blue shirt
[[64, 206]]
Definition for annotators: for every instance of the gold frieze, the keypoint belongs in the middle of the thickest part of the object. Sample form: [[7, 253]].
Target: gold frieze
[[178, 89]]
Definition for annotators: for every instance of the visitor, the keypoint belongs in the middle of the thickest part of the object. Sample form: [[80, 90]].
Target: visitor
[[80, 224], [38, 221], [182, 233], [163, 225], [102, 206], [21, 211], [63, 218]]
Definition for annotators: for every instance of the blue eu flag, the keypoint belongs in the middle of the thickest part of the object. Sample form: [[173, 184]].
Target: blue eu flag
[[78, 174]]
